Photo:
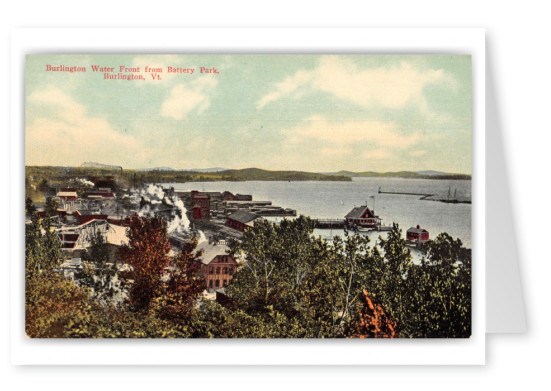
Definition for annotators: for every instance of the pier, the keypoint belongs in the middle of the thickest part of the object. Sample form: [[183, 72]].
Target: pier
[[422, 195], [429, 197], [330, 223], [341, 224]]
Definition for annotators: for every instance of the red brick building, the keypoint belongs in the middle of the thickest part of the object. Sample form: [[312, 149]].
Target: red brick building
[[200, 205], [218, 267]]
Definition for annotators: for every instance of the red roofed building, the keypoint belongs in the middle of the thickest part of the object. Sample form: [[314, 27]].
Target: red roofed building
[[417, 235], [362, 216]]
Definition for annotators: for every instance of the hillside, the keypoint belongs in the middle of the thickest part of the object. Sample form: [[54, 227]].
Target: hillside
[[429, 174]]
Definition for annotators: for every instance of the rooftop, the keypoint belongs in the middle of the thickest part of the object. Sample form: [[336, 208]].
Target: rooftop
[[243, 216], [358, 211], [210, 251], [417, 230]]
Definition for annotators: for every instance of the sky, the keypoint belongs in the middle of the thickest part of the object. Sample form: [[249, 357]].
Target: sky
[[319, 113]]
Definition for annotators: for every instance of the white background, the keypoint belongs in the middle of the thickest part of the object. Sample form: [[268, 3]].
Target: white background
[[517, 37]]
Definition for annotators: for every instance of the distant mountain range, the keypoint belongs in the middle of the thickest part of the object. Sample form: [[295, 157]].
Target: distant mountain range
[[212, 169], [99, 165], [425, 174], [215, 173], [155, 169], [431, 172]]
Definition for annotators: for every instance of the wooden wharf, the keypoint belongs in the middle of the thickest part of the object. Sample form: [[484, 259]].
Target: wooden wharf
[[330, 223]]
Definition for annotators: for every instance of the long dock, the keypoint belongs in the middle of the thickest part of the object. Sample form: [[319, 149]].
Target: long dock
[[330, 223], [422, 195], [341, 224], [428, 197]]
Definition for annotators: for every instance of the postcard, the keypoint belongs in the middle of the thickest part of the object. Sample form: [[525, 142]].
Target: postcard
[[248, 196]]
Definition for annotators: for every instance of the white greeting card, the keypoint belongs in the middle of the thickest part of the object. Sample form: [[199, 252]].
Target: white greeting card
[[192, 195]]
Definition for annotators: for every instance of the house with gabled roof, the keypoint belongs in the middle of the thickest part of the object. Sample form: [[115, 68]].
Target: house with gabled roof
[[217, 266], [362, 216]]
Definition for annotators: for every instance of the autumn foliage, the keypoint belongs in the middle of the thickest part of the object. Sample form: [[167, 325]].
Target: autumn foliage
[[167, 285], [183, 285], [373, 322], [147, 254]]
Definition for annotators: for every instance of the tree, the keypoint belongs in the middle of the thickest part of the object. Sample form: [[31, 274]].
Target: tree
[[51, 206], [56, 308], [165, 286], [430, 298], [147, 255], [286, 272], [446, 302], [42, 244], [388, 276], [348, 276], [184, 284]]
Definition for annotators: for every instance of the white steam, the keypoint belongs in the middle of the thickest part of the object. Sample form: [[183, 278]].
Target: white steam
[[84, 182], [201, 237], [178, 224], [153, 196]]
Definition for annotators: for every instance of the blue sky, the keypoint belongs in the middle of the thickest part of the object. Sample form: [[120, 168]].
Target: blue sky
[[294, 112]]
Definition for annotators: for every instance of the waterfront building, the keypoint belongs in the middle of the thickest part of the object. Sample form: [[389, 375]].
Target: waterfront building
[[242, 220], [417, 235], [362, 216]]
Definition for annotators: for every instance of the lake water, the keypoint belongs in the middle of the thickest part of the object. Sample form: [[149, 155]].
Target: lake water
[[335, 199]]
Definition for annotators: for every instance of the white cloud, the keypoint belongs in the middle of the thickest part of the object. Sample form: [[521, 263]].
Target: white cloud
[[342, 133], [390, 87], [68, 136], [187, 97], [60, 104], [286, 87]]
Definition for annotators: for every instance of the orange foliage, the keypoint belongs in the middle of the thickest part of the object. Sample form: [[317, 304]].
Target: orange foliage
[[373, 322]]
